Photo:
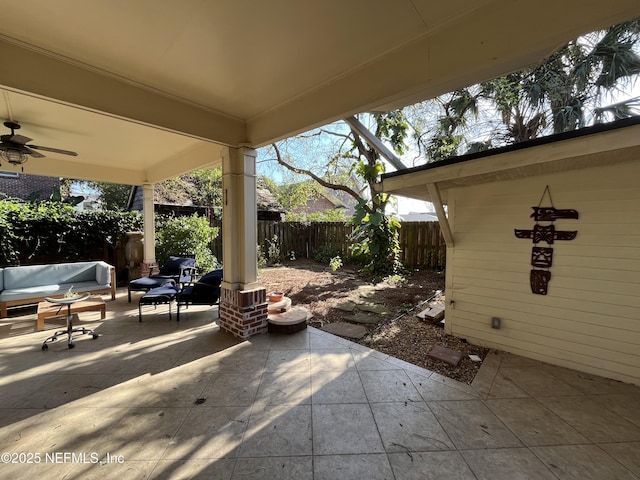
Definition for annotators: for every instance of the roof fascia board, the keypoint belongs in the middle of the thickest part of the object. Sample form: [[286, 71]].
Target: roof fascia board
[[576, 146]]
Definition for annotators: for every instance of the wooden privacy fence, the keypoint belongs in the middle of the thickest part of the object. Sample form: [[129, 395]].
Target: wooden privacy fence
[[421, 243]]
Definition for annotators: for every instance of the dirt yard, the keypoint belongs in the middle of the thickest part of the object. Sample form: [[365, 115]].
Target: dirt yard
[[399, 332]]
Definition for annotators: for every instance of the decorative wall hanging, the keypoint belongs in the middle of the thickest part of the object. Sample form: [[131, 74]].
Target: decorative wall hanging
[[542, 257]]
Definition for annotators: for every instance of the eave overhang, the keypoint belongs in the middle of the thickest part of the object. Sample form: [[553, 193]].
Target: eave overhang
[[600, 145]]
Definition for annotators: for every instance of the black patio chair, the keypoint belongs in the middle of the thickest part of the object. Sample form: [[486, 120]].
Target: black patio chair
[[164, 294], [205, 291], [180, 269]]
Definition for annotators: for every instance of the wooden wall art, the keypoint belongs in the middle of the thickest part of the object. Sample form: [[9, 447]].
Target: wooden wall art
[[542, 257]]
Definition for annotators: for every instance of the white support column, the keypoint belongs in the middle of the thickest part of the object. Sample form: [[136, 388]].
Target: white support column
[[239, 219], [148, 215], [149, 239], [243, 305]]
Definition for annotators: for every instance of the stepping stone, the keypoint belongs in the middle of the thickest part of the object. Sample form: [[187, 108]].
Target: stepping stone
[[290, 321], [372, 307], [355, 332], [445, 354], [361, 317], [367, 291], [346, 306], [432, 314]]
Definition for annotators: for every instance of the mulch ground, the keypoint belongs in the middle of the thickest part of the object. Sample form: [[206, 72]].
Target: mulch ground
[[399, 333]]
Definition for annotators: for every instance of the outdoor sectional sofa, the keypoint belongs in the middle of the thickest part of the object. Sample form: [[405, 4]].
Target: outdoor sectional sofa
[[28, 284]]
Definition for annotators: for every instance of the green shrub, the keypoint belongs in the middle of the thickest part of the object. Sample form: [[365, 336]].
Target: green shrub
[[186, 235], [46, 232], [335, 263], [325, 253]]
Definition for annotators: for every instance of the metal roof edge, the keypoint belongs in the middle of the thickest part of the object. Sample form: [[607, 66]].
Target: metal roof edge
[[558, 137]]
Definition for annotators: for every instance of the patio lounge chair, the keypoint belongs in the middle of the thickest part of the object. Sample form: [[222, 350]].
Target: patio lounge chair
[[164, 294], [205, 291], [179, 269]]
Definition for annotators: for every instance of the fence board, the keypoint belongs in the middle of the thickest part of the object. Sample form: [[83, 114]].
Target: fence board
[[421, 243]]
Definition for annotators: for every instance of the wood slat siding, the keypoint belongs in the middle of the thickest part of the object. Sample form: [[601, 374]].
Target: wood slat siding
[[421, 243], [590, 318]]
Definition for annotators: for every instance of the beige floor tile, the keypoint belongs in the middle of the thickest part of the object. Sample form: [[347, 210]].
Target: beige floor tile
[[295, 341], [429, 466], [284, 388], [281, 360], [142, 433], [409, 427], [332, 359], [470, 424], [625, 405], [505, 387], [592, 419], [345, 429], [352, 467], [174, 388], [590, 384], [324, 341], [582, 462], [536, 382], [369, 360], [628, 454], [450, 382], [337, 387], [433, 390], [229, 389], [135, 470], [388, 386], [209, 432], [511, 360], [533, 423], [277, 431], [213, 469], [242, 359], [506, 464], [294, 406], [21, 470], [274, 468], [69, 429]]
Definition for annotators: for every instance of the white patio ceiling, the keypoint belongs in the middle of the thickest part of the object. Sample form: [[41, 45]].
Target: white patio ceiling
[[145, 90]]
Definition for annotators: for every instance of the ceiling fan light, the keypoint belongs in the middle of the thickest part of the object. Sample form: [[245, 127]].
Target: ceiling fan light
[[15, 157]]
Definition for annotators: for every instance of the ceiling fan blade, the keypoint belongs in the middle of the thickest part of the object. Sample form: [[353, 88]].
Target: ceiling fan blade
[[54, 150], [21, 139], [33, 153]]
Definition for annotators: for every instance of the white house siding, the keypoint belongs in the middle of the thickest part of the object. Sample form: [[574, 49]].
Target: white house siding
[[590, 318]]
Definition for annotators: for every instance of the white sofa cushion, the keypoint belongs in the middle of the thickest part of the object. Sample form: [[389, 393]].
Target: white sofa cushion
[[58, 273]]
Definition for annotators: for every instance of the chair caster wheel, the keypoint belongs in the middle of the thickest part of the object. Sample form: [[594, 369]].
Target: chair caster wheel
[[71, 345], [45, 346], [95, 335]]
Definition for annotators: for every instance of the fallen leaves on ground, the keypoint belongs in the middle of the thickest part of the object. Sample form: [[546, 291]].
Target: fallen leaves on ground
[[399, 333]]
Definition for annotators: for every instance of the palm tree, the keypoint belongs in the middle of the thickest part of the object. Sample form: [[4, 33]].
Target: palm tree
[[563, 93]]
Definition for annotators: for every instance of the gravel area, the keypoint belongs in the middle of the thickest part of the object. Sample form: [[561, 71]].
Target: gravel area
[[399, 332]]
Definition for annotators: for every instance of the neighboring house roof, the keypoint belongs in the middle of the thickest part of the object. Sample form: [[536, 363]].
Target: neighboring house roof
[[327, 198], [268, 206], [28, 187]]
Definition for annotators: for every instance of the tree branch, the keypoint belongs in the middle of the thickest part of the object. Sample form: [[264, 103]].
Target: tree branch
[[321, 181]]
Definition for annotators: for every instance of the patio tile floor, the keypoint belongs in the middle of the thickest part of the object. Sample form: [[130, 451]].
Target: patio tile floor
[[166, 400]]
